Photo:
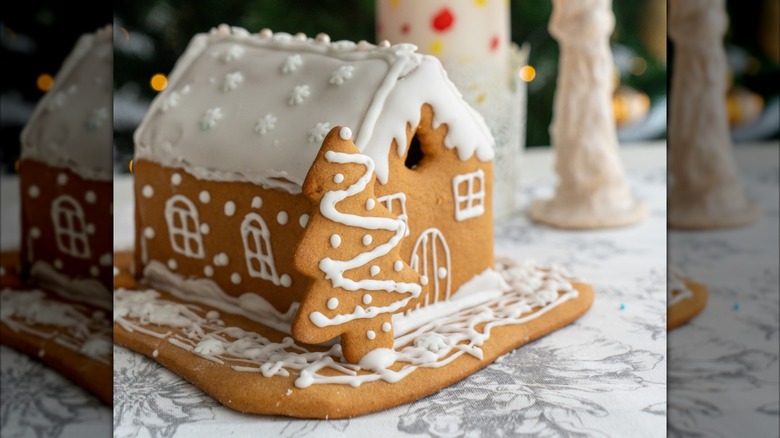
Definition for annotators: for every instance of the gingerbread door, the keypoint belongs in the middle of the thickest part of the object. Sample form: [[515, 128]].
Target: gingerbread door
[[431, 258]]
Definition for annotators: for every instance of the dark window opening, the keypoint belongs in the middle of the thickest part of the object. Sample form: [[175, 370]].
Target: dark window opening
[[415, 154]]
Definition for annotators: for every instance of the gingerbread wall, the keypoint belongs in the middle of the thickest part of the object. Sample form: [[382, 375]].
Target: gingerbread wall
[[82, 210]]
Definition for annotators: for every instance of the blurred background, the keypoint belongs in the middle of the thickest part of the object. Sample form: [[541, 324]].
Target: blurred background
[[151, 34]]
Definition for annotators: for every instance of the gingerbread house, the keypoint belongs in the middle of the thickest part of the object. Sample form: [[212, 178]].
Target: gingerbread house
[[223, 151], [66, 177]]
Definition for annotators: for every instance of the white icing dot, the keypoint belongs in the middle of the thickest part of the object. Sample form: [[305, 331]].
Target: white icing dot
[[235, 278], [176, 179], [221, 259], [34, 191], [303, 220], [58, 264], [442, 272], [230, 208], [423, 280], [106, 259], [335, 240], [155, 353], [338, 178], [367, 298], [345, 133], [147, 191], [35, 233], [204, 197], [386, 326], [257, 202], [367, 239], [398, 265], [90, 197], [172, 264], [90, 228], [370, 204], [370, 334], [281, 217], [286, 280], [94, 271], [62, 179], [149, 232], [374, 270], [204, 228], [333, 303], [208, 271]]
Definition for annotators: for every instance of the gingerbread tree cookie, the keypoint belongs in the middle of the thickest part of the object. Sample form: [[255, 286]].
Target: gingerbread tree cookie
[[350, 250]]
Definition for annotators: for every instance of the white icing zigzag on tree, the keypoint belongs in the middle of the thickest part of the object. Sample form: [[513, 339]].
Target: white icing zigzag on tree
[[334, 269]]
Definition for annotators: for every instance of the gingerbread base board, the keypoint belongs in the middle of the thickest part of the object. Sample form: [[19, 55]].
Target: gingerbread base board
[[685, 310], [251, 392], [92, 375]]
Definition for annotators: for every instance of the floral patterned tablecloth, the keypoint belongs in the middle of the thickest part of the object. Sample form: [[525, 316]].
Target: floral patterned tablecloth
[[604, 375]]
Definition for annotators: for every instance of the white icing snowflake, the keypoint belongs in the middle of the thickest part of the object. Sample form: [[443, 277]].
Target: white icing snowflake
[[174, 98], [233, 53], [232, 81], [432, 342], [57, 101], [299, 94], [318, 132], [97, 118], [210, 118], [292, 64], [267, 123], [341, 75]]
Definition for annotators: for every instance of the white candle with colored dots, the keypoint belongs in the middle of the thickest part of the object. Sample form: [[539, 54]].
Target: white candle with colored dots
[[456, 31]]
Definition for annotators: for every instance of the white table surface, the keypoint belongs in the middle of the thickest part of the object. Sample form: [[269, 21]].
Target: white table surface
[[604, 375]]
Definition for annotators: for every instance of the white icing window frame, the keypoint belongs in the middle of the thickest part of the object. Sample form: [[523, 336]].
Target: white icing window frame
[[260, 235], [475, 201], [190, 237], [74, 230], [387, 201]]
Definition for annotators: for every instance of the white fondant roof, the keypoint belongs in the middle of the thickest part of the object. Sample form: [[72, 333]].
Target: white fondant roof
[[71, 126], [255, 107]]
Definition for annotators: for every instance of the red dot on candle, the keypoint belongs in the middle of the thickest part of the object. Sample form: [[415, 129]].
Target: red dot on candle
[[443, 20], [494, 43], [405, 28]]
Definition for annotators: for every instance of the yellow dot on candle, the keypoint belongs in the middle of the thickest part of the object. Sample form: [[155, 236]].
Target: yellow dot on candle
[[44, 82], [480, 98], [130, 166], [393, 3], [480, 2], [436, 47], [158, 82], [527, 73]]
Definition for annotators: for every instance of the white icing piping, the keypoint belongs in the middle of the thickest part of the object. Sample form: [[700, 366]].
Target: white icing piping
[[334, 269], [88, 334], [83, 290], [249, 305], [433, 340], [676, 283]]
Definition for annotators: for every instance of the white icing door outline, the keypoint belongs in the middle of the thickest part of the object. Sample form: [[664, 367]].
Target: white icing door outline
[[69, 228], [427, 250], [471, 203], [257, 248], [387, 201], [182, 219]]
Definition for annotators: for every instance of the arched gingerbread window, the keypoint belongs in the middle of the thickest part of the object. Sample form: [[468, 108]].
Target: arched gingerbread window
[[257, 248], [183, 227], [69, 229]]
